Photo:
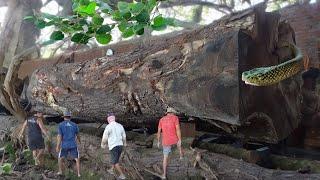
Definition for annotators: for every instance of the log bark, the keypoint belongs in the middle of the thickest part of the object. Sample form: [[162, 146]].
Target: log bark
[[197, 72], [252, 156]]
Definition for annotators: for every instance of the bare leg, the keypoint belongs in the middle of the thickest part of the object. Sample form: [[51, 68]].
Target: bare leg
[[119, 169], [34, 154], [78, 166], [180, 151], [165, 164], [61, 165], [40, 156]]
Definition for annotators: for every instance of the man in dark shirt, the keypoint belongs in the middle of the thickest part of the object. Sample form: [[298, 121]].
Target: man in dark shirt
[[35, 128], [68, 135]]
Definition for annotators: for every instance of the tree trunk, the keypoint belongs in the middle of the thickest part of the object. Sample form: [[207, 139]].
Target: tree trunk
[[16, 35], [197, 72]]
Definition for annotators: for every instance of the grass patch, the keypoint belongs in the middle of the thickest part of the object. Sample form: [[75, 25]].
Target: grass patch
[[52, 164]]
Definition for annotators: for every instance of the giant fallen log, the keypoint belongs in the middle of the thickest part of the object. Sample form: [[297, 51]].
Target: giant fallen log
[[197, 72]]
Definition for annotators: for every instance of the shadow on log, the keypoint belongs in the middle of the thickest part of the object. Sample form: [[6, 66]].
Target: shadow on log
[[196, 72]]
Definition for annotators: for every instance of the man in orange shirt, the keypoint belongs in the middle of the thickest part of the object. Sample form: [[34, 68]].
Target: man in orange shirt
[[171, 135]]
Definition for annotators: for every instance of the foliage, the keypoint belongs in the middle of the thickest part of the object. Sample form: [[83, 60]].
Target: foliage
[[11, 151], [6, 168], [27, 154], [89, 20]]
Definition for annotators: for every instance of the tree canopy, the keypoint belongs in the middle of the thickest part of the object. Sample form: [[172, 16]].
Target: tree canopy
[[89, 20]]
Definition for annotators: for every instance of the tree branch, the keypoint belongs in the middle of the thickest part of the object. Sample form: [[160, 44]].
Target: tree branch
[[219, 7], [8, 96]]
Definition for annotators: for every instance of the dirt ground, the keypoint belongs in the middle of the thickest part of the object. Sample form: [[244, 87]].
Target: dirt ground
[[140, 162]]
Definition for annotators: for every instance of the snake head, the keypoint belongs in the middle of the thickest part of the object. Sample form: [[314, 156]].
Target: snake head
[[256, 77]]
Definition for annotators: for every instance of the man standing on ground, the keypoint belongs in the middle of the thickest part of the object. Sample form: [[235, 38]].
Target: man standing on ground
[[171, 135], [35, 139], [115, 135], [67, 142]]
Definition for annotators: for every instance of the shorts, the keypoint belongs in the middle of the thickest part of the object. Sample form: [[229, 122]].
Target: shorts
[[73, 152], [115, 154], [167, 149], [35, 144]]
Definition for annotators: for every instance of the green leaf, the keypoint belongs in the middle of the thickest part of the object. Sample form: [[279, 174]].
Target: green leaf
[[136, 8], [143, 17], [97, 19], [40, 23], [116, 16], [28, 18], [123, 26], [66, 29], [90, 9], [139, 29], [49, 16], [57, 35], [126, 15], [84, 2], [123, 6], [83, 22], [91, 30], [78, 27], [7, 168], [151, 4], [50, 23], [80, 38], [103, 29], [103, 38], [159, 21], [128, 33], [9, 148]]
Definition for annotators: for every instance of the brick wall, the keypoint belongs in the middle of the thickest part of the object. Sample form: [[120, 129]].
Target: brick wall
[[305, 20]]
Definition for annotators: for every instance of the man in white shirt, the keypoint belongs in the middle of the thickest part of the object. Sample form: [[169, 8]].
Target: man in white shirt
[[115, 135]]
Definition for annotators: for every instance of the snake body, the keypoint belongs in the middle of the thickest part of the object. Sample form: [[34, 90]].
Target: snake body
[[266, 76]]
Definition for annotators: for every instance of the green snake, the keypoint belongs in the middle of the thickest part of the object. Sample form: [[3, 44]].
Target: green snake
[[266, 76]]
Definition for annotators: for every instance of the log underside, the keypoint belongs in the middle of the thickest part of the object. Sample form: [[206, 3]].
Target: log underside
[[197, 72]]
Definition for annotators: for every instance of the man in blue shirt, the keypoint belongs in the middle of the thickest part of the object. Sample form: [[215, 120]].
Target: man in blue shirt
[[68, 135]]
